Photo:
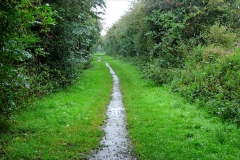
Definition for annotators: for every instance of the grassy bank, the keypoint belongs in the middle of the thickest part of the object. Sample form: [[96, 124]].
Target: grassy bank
[[63, 125], [163, 125]]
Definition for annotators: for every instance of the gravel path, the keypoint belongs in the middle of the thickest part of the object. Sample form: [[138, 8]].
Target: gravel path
[[115, 145]]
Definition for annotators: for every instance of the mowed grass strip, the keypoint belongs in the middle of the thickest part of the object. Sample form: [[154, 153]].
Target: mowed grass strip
[[163, 125], [64, 125]]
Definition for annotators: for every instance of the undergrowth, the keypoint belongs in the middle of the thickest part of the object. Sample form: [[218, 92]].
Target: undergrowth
[[214, 84]]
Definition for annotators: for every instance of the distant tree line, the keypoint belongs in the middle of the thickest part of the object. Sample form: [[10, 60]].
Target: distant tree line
[[189, 45], [44, 46]]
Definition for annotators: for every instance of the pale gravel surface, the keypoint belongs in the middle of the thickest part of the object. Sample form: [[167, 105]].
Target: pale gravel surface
[[115, 145]]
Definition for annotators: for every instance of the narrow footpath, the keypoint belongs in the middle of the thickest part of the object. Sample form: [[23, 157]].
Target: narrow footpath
[[115, 145]]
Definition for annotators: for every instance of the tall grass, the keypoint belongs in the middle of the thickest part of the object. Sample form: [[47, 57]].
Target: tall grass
[[64, 125]]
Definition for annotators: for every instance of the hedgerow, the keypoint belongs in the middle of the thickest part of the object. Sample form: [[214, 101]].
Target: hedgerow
[[188, 45], [44, 46]]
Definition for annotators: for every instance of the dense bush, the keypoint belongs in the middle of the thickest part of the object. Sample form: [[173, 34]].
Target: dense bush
[[215, 85], [44, 46], [190, 45], [19, 46]]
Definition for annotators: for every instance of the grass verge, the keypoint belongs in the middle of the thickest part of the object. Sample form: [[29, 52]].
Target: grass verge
[[64, 125], [163, 125]]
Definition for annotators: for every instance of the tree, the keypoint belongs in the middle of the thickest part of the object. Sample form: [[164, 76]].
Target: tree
[[44, 46]]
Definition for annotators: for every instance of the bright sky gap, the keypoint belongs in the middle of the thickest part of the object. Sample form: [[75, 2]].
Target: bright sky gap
[[115, 9]]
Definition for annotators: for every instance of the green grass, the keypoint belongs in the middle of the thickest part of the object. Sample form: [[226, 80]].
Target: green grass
[[163, 125], [64, 125]]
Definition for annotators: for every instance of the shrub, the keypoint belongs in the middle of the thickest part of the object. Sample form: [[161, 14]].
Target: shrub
[[220, 35], [44, 46], [188, 44], [212, 52], [215, 85]]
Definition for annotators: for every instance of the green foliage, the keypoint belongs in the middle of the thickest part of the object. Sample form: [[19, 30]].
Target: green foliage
[[184, 44], [127, 37], [44, 46], [18, 46], [215, 85]]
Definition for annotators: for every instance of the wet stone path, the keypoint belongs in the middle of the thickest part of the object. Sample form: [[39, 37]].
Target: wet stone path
[[115, 145]]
